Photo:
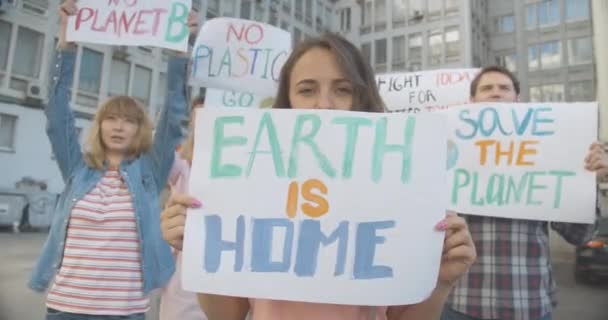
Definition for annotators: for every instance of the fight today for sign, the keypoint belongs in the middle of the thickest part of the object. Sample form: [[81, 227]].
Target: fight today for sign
[[280, 205], [159, 23]]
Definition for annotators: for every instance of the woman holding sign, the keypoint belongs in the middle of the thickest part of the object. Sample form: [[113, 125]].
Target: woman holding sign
[[329, 73], [105, 252]]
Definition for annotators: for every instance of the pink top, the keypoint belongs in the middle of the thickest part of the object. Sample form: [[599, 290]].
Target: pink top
[[262, 309], [176, 303]]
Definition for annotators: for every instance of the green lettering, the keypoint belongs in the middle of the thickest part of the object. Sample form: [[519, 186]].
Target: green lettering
[[458, 173], [267, 125], [381, 148], [532, 186], [308, 139], [177, 18], [352, 132], [496, 188], [516, 191], [219, 170], [558, 186], [474, 199]]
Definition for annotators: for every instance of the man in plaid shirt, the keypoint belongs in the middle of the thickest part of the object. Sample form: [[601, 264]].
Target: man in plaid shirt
[[512, 277]]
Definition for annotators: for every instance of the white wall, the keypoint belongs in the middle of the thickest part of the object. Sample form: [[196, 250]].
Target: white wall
[[32, 155]]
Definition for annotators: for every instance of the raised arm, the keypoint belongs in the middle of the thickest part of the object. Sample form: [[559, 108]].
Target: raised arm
[[60, 126], [169, 133]]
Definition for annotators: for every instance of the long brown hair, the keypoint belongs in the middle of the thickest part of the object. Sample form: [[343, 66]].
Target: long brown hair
[[122, 106], [352, 64]]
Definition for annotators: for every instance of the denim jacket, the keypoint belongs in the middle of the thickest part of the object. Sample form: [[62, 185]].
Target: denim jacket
[[145, 176]]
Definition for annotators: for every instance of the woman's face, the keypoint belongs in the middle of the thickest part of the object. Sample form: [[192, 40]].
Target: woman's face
[[118, 133], [316, 82]]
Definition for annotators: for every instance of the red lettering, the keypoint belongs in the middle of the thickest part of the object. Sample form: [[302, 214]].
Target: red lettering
[[158, 13], [79, 17], [140, 21], [246, 33], [95, 27], [113, 2], [124, 24]]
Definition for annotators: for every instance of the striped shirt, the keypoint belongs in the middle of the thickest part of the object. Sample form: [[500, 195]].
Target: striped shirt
[[101, 269]]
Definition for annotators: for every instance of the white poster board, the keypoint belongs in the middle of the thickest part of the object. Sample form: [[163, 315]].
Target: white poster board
[[522, 160], [229, 98], [159, 23], [240, 55], [424, 91], [298, 200]]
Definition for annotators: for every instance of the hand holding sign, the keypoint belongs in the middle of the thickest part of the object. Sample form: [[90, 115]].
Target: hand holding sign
[[66, 9]]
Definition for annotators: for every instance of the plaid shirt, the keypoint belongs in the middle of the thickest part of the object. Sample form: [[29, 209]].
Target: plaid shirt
[[512, 278]]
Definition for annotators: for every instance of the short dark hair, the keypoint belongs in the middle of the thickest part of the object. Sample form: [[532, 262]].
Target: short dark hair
[[499, 69], [355, 67]]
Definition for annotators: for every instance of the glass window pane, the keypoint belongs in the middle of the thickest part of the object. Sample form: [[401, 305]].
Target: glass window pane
[[451, 7], [229, 8], [119, 78], [434, 9], [452, 42], [213, 5], [380, 11], [399, 48], [28, 53], [5, 40], [245, 9], [551, 55], [90, 71], [531, 16], [366, 50], [142, 81], [416, 10], [380, 50], [505, 24], [399, 11], [533, 58], [435, 44], [7, 131], [580, 50], [577, 10], [553, 93], [415, 46], [548, 13], [581, 91], [535, 94]]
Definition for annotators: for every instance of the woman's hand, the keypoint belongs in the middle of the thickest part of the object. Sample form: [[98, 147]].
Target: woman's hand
[[173, 218], [66, 9], [458, 250]]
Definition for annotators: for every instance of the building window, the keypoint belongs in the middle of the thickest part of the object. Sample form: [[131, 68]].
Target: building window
[[435, 44], [380, 14], [508, 61], [5, 41], [553, 93], [8, 126], [28, 53], [415, 46], [119, 78], [451, 7], [297, 35], [142, 81], [452, 44], [399, 52], [551, 55], [434, 9], [533, 58], [228, 8], [299, 9], [548, 13], [308, 12], [284, 25], [345, 19], [416, 11], [536, 94], [531, 16], [581, 91], [213, 6], [91, 63], [577, 10], [505, 24], [580, 51], [366, 50], [380, 52], [399, 13], [245, 9], [366, 13], [259, 12]]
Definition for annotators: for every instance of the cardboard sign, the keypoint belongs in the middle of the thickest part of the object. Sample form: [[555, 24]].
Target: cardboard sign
[[316, 205], [240, 55], [522, 160], [159, 23], [425, 91]]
